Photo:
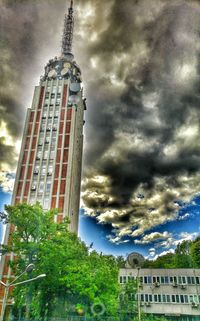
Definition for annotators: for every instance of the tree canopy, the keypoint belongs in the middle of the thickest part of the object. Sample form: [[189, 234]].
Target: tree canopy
[[76, 277]]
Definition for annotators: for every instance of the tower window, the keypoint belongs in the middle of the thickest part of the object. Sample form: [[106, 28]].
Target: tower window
[[45, 154], [52, 154], [46, 203], [41, 187], [48, 187]]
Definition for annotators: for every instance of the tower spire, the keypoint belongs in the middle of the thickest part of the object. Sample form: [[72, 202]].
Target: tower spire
[[68, 31]]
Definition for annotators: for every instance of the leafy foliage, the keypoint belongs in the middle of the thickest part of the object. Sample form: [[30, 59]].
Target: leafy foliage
[[74, 275], [128, 302], [183, 257], [195, 252]]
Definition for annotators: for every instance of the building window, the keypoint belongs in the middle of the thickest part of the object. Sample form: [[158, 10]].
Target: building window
[[40, 142], [32, 200], [39, 154], [50, 169], [52, 154], [177, 298], [183, 279], [49, 123], [43, 127], [39, 199], [46, 203], [155, 298], [173, 298], [57, 112], [41, 187], [53, 141], [36, 170], [168, 298], [162, 279], [186, 298], [182, 298], [43, 171], [166, 279], [55, 121], [46, 154], [48, 187], [47, 95], [33, 188]]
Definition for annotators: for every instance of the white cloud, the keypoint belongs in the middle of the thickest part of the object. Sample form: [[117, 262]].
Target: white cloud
[[184, 217], [185, 236], [163, 253], [116, 240], [7, 180], [153, 237], [152, 252]]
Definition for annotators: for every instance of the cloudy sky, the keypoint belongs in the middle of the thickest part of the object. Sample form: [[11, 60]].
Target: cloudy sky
[[141, 72]]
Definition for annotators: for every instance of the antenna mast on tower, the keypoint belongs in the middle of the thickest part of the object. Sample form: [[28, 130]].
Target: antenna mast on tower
[[68, 31]]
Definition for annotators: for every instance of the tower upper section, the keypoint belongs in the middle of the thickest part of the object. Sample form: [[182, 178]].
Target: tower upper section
[[64, 66]]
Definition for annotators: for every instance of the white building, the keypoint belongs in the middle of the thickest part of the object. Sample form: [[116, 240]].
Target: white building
[[174, 293]]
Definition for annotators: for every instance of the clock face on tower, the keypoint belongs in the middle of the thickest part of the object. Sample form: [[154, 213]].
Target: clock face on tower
[[64, 71], [52, 73], [67, 65]]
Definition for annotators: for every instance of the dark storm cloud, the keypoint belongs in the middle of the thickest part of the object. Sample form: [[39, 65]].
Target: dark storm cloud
[[7, 152], [140, 65], [167, 40]]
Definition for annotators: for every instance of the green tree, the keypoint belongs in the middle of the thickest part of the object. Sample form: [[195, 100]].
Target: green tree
[[165, 261], [75, 277], [195, 252], [127, 299], [182, 257], [121, 262]]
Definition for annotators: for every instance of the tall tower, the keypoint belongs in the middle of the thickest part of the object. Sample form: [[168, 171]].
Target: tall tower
[[49, 168]]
